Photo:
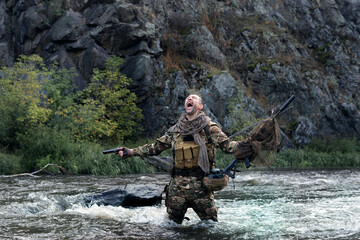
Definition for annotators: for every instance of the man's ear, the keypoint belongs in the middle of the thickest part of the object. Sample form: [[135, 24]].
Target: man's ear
[[201, 107]]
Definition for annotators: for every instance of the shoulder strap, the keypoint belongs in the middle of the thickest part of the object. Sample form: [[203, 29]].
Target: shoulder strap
[[207, 132]]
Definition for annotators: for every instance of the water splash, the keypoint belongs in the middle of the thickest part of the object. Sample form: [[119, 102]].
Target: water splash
[[258, 205]]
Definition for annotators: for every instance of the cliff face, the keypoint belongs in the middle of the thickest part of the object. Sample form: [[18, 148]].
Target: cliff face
[[265, 50]]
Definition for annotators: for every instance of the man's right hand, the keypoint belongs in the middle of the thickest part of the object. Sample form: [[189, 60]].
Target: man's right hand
[[126, 152]]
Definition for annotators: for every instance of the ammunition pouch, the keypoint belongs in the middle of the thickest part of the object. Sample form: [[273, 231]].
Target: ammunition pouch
[[187, 156], [217, 181]]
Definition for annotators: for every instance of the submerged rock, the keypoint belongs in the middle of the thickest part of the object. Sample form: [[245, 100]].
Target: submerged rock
[[136, 196]]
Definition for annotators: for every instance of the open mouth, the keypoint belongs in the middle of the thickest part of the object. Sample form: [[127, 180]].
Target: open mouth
[[189, 106]]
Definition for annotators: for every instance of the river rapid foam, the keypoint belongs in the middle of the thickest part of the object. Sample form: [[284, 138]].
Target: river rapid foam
[[255, 205]]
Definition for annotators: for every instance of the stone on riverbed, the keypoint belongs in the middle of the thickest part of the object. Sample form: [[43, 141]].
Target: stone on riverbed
[[134, 196]]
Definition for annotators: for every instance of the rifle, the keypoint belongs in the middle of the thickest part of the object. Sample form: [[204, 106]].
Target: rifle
[[230, 170], [116, 151]]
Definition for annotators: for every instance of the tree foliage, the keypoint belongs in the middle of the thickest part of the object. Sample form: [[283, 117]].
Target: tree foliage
[[39, 102], [23, 102], [108, 108]]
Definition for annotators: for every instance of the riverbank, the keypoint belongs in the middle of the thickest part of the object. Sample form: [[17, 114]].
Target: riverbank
[[338, 153], [87, 158]]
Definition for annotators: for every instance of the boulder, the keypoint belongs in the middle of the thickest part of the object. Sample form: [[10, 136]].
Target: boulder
[[35, 21], [133, 196], [70, 27]]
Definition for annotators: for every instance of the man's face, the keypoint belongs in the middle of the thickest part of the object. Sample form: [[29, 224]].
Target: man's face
[[193, 104]]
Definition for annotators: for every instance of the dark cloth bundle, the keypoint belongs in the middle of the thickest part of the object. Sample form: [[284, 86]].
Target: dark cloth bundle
[[261, 145]]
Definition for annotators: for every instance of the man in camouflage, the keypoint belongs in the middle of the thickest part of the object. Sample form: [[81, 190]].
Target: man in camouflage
[[193, 141]]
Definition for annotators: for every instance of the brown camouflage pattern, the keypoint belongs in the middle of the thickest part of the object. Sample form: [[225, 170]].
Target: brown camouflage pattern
[[261, 145], [168, 140], [265, 138], [190, 192]]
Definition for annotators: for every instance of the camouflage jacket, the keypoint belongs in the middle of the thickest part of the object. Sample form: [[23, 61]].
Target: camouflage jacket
[[168, 140]]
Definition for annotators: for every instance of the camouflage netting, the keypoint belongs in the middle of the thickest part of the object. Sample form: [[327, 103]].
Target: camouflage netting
[[261, 145]]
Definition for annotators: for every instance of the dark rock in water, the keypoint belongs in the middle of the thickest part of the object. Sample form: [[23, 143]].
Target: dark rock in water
[[129, 197]]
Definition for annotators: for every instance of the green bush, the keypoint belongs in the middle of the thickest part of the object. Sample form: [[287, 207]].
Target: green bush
[[9, 164], [306, 158], [43, 118], [23, 103], [89, 159], [49, 145], [343, 145], [44, 145]]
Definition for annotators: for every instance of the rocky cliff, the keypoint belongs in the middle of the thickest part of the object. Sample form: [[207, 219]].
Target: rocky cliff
[[263, 50]]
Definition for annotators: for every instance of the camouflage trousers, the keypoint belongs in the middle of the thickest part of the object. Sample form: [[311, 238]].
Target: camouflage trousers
[[190, 192]]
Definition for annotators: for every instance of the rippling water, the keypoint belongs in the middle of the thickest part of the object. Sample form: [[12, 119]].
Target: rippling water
[[256, 205]]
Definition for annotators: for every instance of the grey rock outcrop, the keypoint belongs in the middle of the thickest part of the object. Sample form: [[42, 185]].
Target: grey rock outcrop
[[304, 132], [267, 49]]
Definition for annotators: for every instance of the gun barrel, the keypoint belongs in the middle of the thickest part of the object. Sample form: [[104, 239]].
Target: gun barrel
[[116, 150], [111, 151], [285, 105]]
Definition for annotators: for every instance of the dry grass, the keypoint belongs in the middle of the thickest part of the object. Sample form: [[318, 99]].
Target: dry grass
[[172, 61]]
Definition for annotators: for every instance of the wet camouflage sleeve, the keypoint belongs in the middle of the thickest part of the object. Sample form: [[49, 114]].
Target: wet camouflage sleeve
[[161, 144], [221, 140]]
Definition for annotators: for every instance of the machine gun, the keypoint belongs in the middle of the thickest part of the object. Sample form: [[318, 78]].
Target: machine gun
[[116, 151], [230, 170]]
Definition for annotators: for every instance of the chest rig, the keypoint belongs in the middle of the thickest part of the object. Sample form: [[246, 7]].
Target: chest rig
[[186, 151]]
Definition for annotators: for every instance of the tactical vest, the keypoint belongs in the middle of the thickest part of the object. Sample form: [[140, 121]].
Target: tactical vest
[[186, 151]]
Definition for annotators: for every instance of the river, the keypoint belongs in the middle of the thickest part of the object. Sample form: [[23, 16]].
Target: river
[[256, 205]]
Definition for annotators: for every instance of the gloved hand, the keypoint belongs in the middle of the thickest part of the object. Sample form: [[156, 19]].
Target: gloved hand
[[246, 149]]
